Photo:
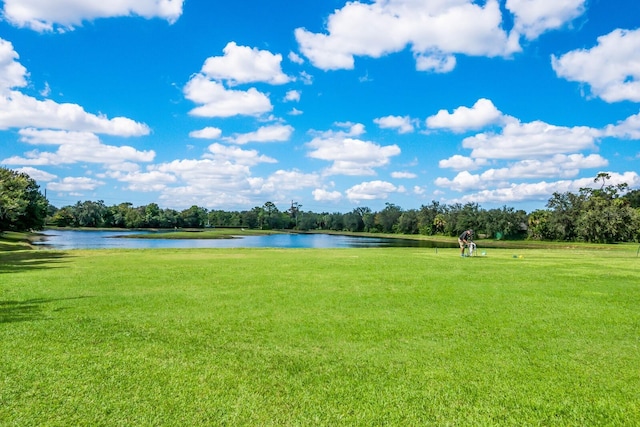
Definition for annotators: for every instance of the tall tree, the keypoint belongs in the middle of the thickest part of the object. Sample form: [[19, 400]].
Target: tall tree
[[22, 206], [388, 217]]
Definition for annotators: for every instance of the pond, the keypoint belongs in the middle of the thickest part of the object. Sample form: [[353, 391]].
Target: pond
[[99, 239]]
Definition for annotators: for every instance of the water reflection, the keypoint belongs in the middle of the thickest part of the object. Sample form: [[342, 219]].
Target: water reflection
[[80, 239]]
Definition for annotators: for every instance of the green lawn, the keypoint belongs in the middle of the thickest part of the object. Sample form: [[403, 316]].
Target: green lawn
[[329, 337]]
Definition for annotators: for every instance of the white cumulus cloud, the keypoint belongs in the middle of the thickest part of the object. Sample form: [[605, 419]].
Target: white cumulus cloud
[[531, 140], [73, 184], [18, 110], [217, 101], [535, 17], [243, 64], [611, 68], [481, 114], [206, 133], [628, 128], [401, 124], [74, 147], [272, 133], [371, 190], [434, 30], [322, 195], [236, 155], [47, 15], [351, 156]]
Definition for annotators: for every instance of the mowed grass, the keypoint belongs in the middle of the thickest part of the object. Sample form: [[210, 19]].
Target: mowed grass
[[400, 336]]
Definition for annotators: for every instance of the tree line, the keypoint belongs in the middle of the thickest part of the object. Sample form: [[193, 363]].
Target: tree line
[[607, 214]]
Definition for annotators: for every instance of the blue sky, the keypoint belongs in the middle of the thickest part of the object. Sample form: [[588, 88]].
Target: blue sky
[[331, 104]]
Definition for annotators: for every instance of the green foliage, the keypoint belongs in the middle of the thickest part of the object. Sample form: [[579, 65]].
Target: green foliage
[[387, 219], [356, 337], [633, 197], [22, 206]]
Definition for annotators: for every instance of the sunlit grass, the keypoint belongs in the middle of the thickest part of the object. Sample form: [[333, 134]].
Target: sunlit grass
[[320, 337]]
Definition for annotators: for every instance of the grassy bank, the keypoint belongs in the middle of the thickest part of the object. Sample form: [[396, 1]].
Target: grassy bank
[[13, 241], [320, 337]]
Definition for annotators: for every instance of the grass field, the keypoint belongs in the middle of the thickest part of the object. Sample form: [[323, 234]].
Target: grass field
[[329, 337]]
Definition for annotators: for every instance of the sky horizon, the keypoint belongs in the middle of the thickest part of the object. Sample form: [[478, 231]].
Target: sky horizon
[[334, 106]]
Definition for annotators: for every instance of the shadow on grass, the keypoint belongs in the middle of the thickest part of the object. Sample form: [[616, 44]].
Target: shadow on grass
[[14, 262], [23, 311]]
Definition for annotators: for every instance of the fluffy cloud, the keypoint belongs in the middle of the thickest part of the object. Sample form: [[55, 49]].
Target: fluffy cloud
[[535, 17], [458, 162], [242, 64], [483, 113], [206, 133], [20, 111], [372, 190], [222, 179], [531, 140], [218, 101], [628, 128], [611, 68], [351, 156], [558, 166], [206, 174], [403, 175], [402, 124], [435, 30], [273, 133], [322, 195], [281, 182], [74, 147], [541, 190], [223, 153], [37, 174], [238, 65], [73, 184], [144, 181], [12, 73], [45, 15], [292, 96]]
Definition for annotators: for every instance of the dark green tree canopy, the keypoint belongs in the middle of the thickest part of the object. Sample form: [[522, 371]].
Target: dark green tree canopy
[[22, 206]]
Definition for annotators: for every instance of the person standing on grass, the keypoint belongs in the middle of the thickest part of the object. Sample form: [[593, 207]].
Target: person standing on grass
[[464, 240]]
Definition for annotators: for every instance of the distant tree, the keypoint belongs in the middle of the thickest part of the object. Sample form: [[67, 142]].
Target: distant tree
[[269, 216], [606, 217], [170, 218], [505, 222], [462, 217], [22, 206], [63, 217], [194, 217], [633, 197], [388, 217], [438, 224], [90, 214], [118, 214], [538, 225], [565, 211], [431, 219], [353, 221], [408, 222], [308, 221], [334, 221]]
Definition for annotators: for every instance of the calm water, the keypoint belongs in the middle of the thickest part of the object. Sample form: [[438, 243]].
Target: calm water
[[74, 239]]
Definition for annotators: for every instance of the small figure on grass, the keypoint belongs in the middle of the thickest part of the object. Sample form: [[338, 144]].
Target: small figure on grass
[[464, 239]]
